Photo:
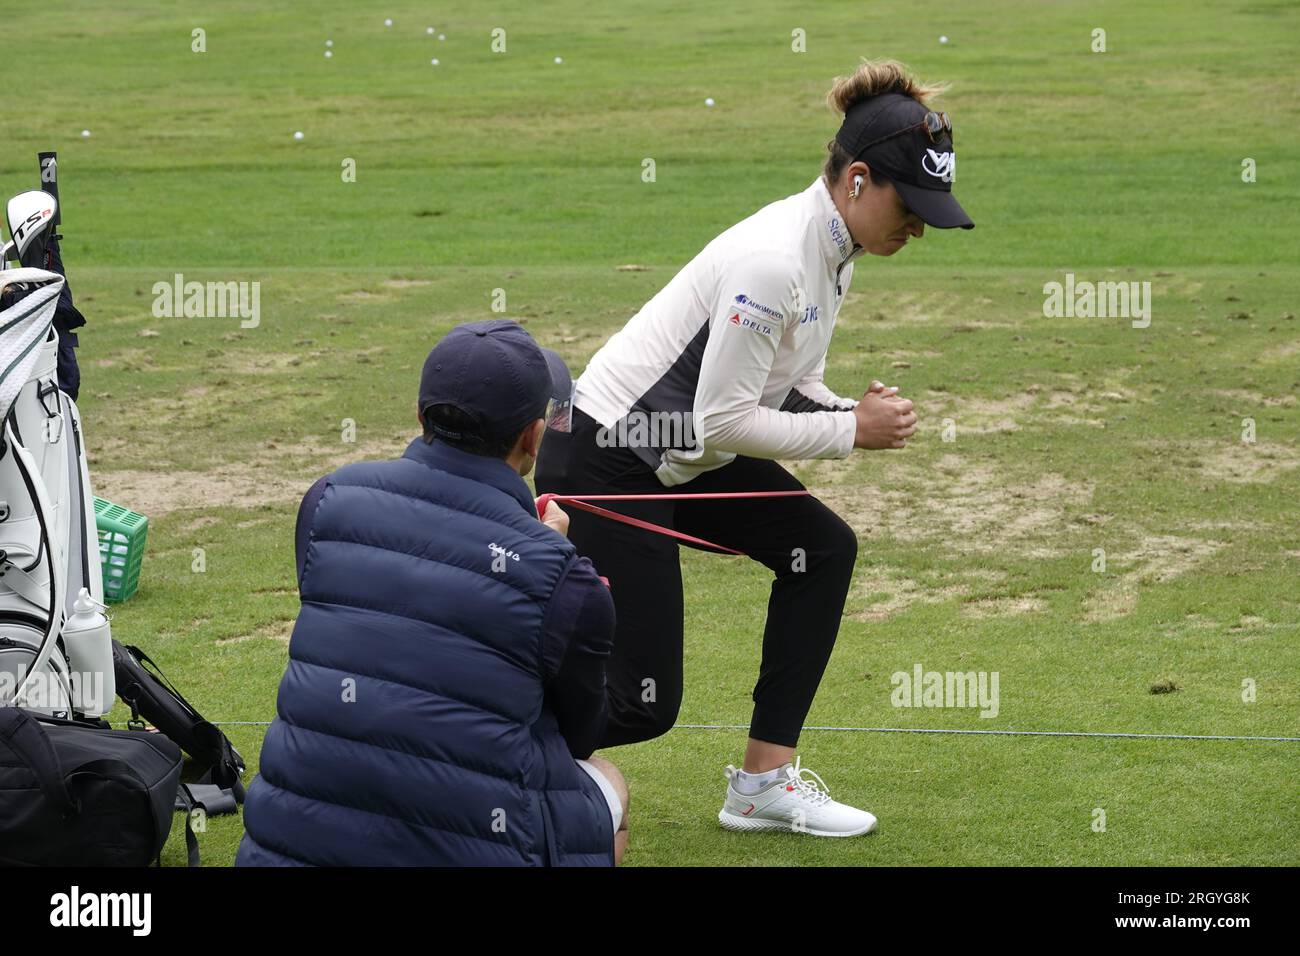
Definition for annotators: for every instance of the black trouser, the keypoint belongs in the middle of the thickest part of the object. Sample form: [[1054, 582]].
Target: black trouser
[[809, 547]]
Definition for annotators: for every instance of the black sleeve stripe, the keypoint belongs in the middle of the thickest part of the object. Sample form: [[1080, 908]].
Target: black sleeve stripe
[[797, 401]]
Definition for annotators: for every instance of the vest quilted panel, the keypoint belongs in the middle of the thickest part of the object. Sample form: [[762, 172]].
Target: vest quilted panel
[[411, 725]]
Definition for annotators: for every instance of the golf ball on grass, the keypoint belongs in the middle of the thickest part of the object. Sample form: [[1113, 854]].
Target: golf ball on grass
[[943, 39], [559, 59], [388, 23], [328, 54], [708, 101], [434, 61], [298, 135], [85, 133]]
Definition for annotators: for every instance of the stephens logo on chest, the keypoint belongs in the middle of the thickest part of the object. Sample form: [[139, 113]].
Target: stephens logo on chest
[[839, 235]]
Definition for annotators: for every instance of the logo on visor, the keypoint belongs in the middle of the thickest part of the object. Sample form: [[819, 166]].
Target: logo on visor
[[940, 165]]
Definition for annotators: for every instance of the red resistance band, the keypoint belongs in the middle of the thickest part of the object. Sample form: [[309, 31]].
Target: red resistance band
[[581, 502]]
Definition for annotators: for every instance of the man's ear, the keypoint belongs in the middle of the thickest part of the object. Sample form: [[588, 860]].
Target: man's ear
[[530, 441]]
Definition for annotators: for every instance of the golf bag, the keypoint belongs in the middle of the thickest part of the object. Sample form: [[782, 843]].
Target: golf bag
[[57, 667], [56, 653]]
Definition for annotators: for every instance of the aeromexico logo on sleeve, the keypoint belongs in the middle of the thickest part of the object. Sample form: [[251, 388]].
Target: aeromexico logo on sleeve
[[751, 315]]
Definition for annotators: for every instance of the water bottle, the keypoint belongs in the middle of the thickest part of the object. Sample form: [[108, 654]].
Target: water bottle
[[89, 643]]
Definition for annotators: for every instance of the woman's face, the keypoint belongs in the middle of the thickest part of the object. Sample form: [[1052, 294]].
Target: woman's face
[[878, 220]]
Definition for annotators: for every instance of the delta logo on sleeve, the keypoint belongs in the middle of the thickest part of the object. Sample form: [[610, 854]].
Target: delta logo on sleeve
[[744, 304], [745, 322]]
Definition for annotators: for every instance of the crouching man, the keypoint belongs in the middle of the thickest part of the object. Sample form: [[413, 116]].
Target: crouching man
[[447, 668]]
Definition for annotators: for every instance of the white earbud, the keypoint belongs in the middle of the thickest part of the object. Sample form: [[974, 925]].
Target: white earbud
[[857, 187]]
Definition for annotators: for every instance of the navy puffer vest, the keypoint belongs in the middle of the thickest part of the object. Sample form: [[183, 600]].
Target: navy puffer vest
[[411, 728]]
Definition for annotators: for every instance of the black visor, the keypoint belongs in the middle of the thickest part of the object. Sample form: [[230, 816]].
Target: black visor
[[889, 134]]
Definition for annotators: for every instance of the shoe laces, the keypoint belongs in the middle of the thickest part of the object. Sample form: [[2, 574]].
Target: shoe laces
[[811, 788]]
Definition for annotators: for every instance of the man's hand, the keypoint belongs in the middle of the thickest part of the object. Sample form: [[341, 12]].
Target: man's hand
[[555, 518], [885, 420]]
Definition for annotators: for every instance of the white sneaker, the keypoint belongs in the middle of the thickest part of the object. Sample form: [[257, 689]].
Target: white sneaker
[[794, 803]]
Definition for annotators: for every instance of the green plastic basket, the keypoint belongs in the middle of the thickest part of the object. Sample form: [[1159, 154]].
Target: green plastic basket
[[122, 534]]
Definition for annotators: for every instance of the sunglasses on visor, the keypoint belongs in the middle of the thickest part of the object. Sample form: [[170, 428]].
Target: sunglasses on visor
[[935, 125]]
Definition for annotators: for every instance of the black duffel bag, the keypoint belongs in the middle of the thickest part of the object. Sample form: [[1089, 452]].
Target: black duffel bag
[[73, 794], [151, 696]]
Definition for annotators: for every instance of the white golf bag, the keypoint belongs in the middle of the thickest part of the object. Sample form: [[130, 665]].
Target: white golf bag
[[56, 652]]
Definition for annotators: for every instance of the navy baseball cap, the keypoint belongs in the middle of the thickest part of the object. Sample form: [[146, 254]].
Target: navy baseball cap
[[889, 134], [496, 374]]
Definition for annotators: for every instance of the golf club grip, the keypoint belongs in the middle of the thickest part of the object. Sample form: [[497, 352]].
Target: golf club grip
[[50, 181]]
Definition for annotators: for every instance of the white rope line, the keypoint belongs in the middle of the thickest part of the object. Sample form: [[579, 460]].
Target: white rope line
[[920, 730], [1002, 733]]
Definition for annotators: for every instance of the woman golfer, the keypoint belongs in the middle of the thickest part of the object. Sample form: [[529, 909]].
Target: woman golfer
[[714, 380]]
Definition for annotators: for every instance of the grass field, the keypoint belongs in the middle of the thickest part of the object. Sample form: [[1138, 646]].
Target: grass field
[[510, 171]]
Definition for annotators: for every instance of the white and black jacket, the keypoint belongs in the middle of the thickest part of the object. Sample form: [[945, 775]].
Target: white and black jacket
[[735, 347]]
